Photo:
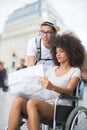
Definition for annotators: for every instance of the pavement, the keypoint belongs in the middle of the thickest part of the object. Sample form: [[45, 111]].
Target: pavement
[[6, 100]]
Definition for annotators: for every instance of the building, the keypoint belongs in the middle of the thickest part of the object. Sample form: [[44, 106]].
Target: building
[[22, 25]]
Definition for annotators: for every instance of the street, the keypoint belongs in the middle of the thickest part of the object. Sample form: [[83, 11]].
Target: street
[[5, 104]]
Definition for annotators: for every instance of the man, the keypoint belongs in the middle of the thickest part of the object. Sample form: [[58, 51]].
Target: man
[[47, 32], [22, 64]]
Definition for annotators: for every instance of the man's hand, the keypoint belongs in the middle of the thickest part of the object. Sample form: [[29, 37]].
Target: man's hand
[[84, 75]]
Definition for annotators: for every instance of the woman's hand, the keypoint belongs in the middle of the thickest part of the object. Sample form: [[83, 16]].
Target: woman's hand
[[45, 83]]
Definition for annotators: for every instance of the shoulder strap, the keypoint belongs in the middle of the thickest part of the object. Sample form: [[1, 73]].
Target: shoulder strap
[[38, 45]]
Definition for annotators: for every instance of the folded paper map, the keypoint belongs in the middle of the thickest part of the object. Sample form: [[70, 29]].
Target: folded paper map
[[24, 82]]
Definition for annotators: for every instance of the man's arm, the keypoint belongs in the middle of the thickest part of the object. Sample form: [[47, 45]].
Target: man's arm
[[83, 72], [31, 60]]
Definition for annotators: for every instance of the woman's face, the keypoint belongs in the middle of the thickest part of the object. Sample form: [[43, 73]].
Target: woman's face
[[61, 55]]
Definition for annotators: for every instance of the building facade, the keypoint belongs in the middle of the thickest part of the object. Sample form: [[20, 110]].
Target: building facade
[[22, 25]]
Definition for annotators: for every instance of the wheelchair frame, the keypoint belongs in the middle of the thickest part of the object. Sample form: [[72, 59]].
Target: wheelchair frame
[[76, 117]]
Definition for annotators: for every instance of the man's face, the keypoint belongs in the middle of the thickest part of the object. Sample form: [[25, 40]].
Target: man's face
[[47, 33]]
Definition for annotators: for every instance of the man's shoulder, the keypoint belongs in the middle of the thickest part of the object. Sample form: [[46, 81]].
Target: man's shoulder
[[31, 43], [35, 42]]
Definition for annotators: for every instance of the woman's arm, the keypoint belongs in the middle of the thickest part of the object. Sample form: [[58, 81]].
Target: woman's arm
[[66, 90]]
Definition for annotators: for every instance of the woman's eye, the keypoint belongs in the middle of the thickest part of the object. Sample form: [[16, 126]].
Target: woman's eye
[[62, 51]]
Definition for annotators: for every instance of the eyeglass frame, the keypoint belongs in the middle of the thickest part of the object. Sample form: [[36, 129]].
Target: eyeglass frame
[[48, 33]]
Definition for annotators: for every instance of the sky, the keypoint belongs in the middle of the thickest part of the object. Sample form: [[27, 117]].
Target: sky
[[73, 13]]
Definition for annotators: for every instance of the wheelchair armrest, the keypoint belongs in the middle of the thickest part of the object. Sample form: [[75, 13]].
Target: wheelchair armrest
[[68, 97]]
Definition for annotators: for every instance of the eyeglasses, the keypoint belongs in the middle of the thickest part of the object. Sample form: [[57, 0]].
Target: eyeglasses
[[48, 33]]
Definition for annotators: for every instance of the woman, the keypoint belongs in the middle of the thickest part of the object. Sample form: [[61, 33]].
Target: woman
[[68, 55]]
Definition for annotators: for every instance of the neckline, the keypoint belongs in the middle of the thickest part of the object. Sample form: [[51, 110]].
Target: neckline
[[61, 75]]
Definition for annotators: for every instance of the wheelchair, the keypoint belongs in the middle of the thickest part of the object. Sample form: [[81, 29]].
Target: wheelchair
[[72, 117]]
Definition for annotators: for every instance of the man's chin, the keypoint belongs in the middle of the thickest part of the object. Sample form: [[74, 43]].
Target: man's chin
[[47, 45]]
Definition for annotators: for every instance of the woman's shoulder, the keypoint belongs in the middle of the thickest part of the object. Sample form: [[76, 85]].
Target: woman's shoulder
[[76, 69]]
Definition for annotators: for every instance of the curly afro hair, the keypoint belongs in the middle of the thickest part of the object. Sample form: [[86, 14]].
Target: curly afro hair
[[72, 45]]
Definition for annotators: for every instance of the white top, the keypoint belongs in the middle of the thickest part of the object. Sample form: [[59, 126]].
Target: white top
[[45, 53], [62, 81]]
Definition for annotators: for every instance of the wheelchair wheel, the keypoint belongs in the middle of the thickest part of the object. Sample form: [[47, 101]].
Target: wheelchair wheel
[[77, 119]]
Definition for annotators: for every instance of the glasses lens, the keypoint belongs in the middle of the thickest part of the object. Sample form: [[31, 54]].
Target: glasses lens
[[42, 32]]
